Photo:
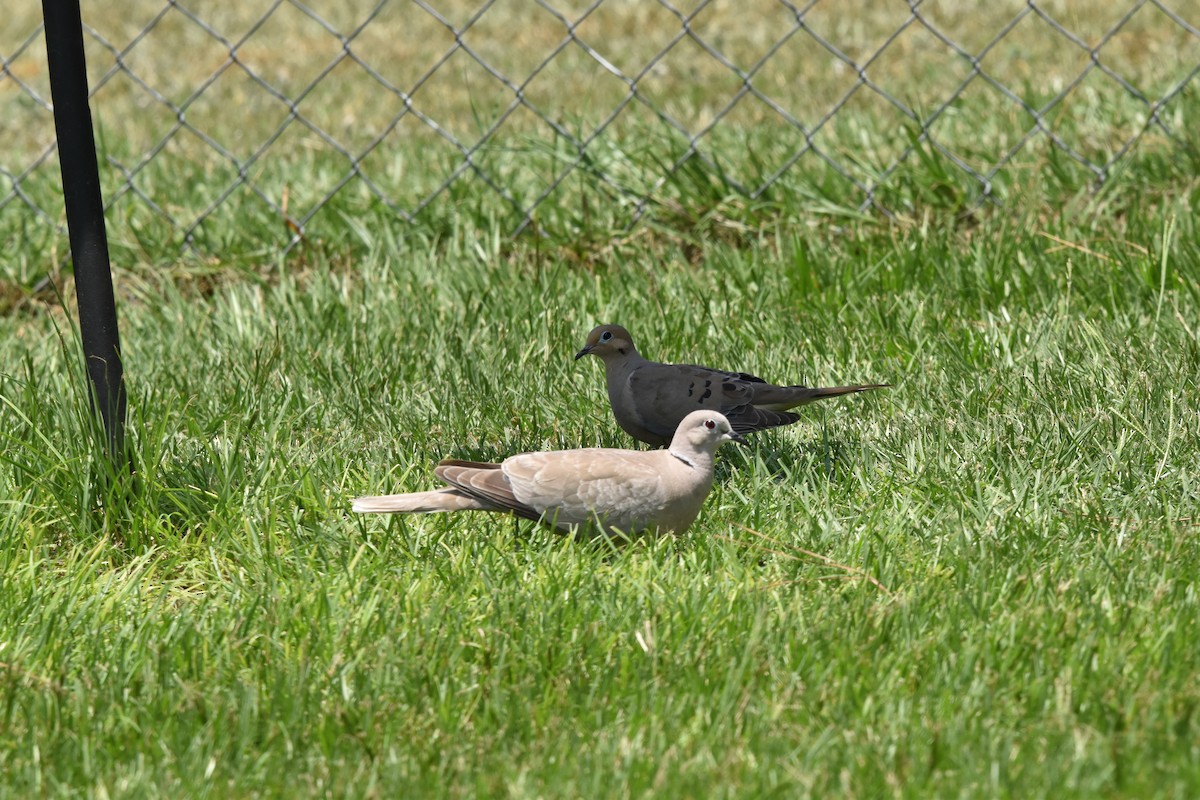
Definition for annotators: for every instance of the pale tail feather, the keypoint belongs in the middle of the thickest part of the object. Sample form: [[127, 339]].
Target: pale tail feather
[[419, 503]]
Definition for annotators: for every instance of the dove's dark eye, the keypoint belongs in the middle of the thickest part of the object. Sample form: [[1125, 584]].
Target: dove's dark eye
[[708, 423], [604, 337]]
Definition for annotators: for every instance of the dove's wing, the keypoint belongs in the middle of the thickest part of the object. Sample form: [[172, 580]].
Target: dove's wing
[[622, 488], [486, 483]]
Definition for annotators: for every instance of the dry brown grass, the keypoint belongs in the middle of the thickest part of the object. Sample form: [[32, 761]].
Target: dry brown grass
[[404, 43]]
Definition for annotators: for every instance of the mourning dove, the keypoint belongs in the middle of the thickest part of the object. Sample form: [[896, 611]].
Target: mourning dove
[[617, 491], [648, 399]]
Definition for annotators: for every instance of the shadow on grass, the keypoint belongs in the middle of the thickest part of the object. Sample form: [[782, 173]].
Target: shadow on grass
[[784, 458]]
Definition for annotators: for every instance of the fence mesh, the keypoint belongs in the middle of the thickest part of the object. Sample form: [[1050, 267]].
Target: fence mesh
[[549, 109]]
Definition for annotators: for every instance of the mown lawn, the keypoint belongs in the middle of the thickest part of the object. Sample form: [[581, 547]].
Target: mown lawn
[[978, 583], [1023, 501]]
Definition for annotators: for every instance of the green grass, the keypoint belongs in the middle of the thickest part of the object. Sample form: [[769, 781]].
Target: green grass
[[979, 583], [224, 181], [1026, 496]]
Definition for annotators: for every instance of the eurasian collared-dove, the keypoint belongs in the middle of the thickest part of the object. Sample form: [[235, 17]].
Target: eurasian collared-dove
[[648, 398], [617, 491]]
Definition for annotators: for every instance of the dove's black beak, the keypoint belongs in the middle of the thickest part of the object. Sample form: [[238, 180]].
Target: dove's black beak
[[587, 349], [737, 438]]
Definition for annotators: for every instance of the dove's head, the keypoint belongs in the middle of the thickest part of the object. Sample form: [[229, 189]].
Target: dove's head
[[704, 432], [607, 341]]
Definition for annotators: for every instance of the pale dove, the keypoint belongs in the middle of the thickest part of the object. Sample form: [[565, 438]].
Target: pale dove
[[618, 491], [648, 398]]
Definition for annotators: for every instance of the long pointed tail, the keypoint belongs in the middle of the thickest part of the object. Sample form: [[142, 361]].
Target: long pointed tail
[[784, 397], [419, 503], [820, 393]]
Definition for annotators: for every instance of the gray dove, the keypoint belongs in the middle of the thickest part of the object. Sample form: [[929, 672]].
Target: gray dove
[[648, 398], [612, 491]]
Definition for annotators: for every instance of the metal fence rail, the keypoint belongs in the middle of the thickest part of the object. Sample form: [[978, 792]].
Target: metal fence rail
[[417, 103]]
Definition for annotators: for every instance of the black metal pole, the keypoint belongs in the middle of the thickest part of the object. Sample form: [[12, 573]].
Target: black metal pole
[[85, 216]]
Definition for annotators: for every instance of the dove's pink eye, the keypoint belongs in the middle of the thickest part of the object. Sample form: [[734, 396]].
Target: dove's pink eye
[[708, 423]]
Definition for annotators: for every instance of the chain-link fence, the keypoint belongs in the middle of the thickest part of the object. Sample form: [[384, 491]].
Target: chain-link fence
[[549, 110]]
